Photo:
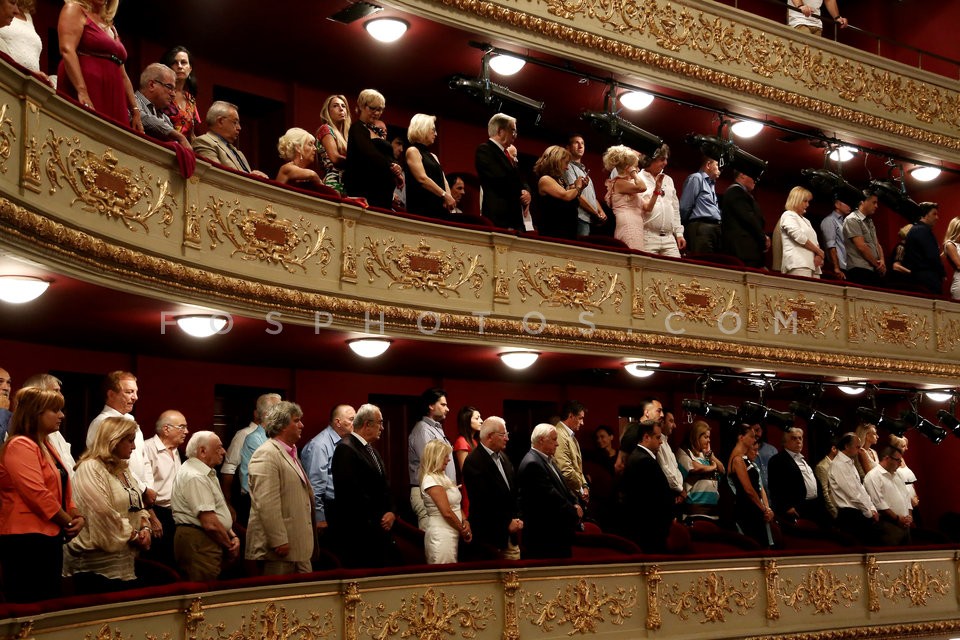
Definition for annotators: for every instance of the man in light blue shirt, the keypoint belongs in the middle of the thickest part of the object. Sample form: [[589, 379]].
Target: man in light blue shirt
[[429, 427], [700, 209], [317, 458], [832, 228], [252, 442], [589, 208]]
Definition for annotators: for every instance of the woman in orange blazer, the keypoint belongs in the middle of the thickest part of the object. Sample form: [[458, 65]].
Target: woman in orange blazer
[[36, 506]]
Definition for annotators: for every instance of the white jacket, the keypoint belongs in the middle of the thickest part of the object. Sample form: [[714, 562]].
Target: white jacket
[[795, 230]]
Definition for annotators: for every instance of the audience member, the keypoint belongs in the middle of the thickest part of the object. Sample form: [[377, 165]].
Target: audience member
[[48, 382], [219, 143], [647, 499], [101, 558], [822, 472], [588, 207], [429, 427], [332, 136], [899, 276], [37, 511], [890, 498], [280, 533], [568, 457], [922, 253], [701, 471], [251, 443], [662, 229], [765, 451], [365, 511], [666, 457], [299, 149], [793, 485], [400, 190], [489, 479], [91, 69], [951, 251], [204, 542], [551, 514], [503, 193], [469, 423], [651, 409], [801, 254], [19, 38], [458, 189], [804, 15], [700, 210], [866, 455], [163, 455], [751, 507], [182, 110], [556, 202], [623, 194], [441, 498], [371, 171], [865, 263], [317, 458], [156, 93], [428, 193], [605, 454], [742, 229], [906, 473], [5, 413], [238, 500], [856, 513], [832, 229]]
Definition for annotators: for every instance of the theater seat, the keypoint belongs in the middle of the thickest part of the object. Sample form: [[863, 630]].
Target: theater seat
[[602, 545], [151, 573], [409, 543]]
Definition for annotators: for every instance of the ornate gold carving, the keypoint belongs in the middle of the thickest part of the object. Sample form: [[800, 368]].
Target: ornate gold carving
[[511, 621], [25, 631], [105, 633], [873, 584], [351, 600], [164, 636], [821, 589], [275, 624], [105, 187], [8, 136], [948, 332], [892, 326], [567, 286], [31, 153], [348, 264], [423, 269], [193, 618], [653, 578], [771, 578], [430, 617], [799, 315], [192, 227], [886, 632], [501, 287], [267, 237], [711, 596], [914, 583], [581, 606], [695, 302], [636, 304]]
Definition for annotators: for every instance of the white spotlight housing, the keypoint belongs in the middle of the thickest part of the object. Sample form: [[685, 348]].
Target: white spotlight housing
[[746, 128], [636, 100], [202, 325], [641, 368], [21, 289], [369, 347], [506, 65], [386, 30], [925, 174], [519, 359]]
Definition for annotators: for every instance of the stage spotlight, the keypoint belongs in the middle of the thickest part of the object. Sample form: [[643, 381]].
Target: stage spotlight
[[876, 418], [929, 430], [723, 413], [755, 413], [868, 414], [623, 130], [816, 419], [950, 421]]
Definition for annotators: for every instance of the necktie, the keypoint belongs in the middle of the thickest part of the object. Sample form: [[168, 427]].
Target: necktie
[[498, 461], [373, 456]]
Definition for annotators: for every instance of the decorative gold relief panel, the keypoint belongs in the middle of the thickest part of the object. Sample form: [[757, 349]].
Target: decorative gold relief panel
[[890, 326], [568, 286], [711, 597], [948, 331], [794, 315], [31, 148], [692, 302], [273, 622], [581, 606], [423, 268], [435, 615], [820, 590], [8, 136], [914, 583]]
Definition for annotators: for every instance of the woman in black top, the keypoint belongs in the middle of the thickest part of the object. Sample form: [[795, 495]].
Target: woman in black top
[[428, 193], [371, 172], [556, 201]]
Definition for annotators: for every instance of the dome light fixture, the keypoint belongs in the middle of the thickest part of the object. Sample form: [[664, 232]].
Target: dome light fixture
[[386, 30], [202, 325], [519, 359], [746, 128], [21, 289], [369, 347], [506, 65], [842, 154], [636, 100], [938, 395], [641, 368], [853, 389], [924, 173]]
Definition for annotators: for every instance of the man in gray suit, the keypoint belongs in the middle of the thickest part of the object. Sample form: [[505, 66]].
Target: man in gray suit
[[218, 144]]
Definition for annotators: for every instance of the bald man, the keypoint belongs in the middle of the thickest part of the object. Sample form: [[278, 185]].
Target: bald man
[[162, 452]]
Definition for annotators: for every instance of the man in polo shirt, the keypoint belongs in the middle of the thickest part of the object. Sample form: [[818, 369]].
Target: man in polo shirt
[[588, 207], [833, 239], [865, 263], [700, 209], [157, 91]]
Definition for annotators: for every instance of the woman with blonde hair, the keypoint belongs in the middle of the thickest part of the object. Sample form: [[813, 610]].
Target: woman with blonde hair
[[371, 171], [952, 252], [428, 193], [701, 472], [557, 202], [102, 557], [445, 523], [332, 138], [36, 503], [623, 194], [299, 149], [801, 255], [867, 458]]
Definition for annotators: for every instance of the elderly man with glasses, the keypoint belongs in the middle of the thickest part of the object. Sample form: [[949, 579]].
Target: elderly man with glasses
[[157, 90], [162, 452]]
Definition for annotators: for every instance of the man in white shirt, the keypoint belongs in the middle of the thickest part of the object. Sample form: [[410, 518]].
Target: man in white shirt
[[890, 497], [793, 485], [662, 230], [856, 512], [667, 459], [162, 453], [804, 15]]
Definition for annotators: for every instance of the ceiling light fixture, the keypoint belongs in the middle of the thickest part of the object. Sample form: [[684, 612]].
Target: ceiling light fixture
[[369, 347], [506, 65], [636, 100], [853, 390], [925, 174], [842, 154], [386, 30], [519, 359], [746, 128], [938, 396], [641, 368], [21, 289], [202, 325]]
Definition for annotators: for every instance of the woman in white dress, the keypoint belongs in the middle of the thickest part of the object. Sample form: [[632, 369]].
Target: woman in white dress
[[445, 524], [801, 256], [952, 251], [20, 39]]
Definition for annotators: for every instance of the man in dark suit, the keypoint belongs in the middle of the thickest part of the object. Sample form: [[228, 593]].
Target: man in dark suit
[[365, 512], [793, 483], [742, 227], [488, 476], [648, 501], [551, 515], [921, 253], [504, 193]]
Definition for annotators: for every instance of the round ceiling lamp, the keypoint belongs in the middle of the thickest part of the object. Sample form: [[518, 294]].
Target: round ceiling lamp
[[21, 289], [202, 325], [386, 30], [842, 154], [746, 128], [519, 359], [369, 347], [925, 174], [853, 389], [938, 396], [636, 100], [641, 368], [506, 65]]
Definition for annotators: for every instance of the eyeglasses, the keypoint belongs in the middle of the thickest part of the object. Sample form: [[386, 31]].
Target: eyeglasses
[[182, 427], [372, 108], [167, 85]]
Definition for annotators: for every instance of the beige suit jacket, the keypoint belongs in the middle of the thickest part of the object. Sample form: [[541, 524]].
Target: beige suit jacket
[[212, 147], [282, 507], [569, 460]]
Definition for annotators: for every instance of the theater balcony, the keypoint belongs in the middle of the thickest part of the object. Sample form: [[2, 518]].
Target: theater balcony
[[121, 219]]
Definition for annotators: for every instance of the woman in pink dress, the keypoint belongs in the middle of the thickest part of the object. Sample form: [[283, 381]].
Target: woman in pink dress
[[91, 70], [623, 194]]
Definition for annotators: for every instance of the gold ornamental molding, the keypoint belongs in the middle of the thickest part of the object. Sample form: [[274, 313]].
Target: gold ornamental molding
[[890, 326], [948, 332], [771, 579], [711, 597], [568, 286], [430, 616], [914, 583], [274, 623], [821, 590], [422, 268], [8, 136], [795, 315], [511, 619], [262, 236], [888, 632], [692, 301], [653, 579], [193, 618], [106, 187], [581, 606], [351, 601], [106, 632]]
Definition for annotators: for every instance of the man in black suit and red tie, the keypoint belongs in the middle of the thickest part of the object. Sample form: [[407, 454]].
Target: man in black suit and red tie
[[488, 476], [551, 515], [648, 502], [793, 483], [504, 193], [365, 511]]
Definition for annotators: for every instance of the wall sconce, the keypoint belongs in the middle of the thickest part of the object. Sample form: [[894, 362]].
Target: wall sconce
[[202, 325], [369, 347], [519, 359], [506, 65], [386, 30], [641, 368], [21, 289]]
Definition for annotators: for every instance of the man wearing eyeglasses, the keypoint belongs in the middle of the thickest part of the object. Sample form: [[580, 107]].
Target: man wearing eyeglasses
[[162, 452], [157, 91], [889, 494]]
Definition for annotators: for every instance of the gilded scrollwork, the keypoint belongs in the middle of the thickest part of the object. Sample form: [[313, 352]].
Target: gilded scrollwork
[[193, 617], [771, 578], [348, 264], [106, 632], [711, 597], [821, 590], [915, 584], [8, 136], [511, 620], [948, 332], [430, 616], [799, 315], [274, 623], [266, 237], [653, 579], [891, 326], [106, 187], [31, 150], [423, 268], [580, 605], [192, 227], [351, 601], [636, 304], [873, 584], [692, 301], [568, 286]]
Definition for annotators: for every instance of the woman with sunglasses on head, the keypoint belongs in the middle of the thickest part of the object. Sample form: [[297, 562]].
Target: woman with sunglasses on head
[[371, 171], [102, 557]]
